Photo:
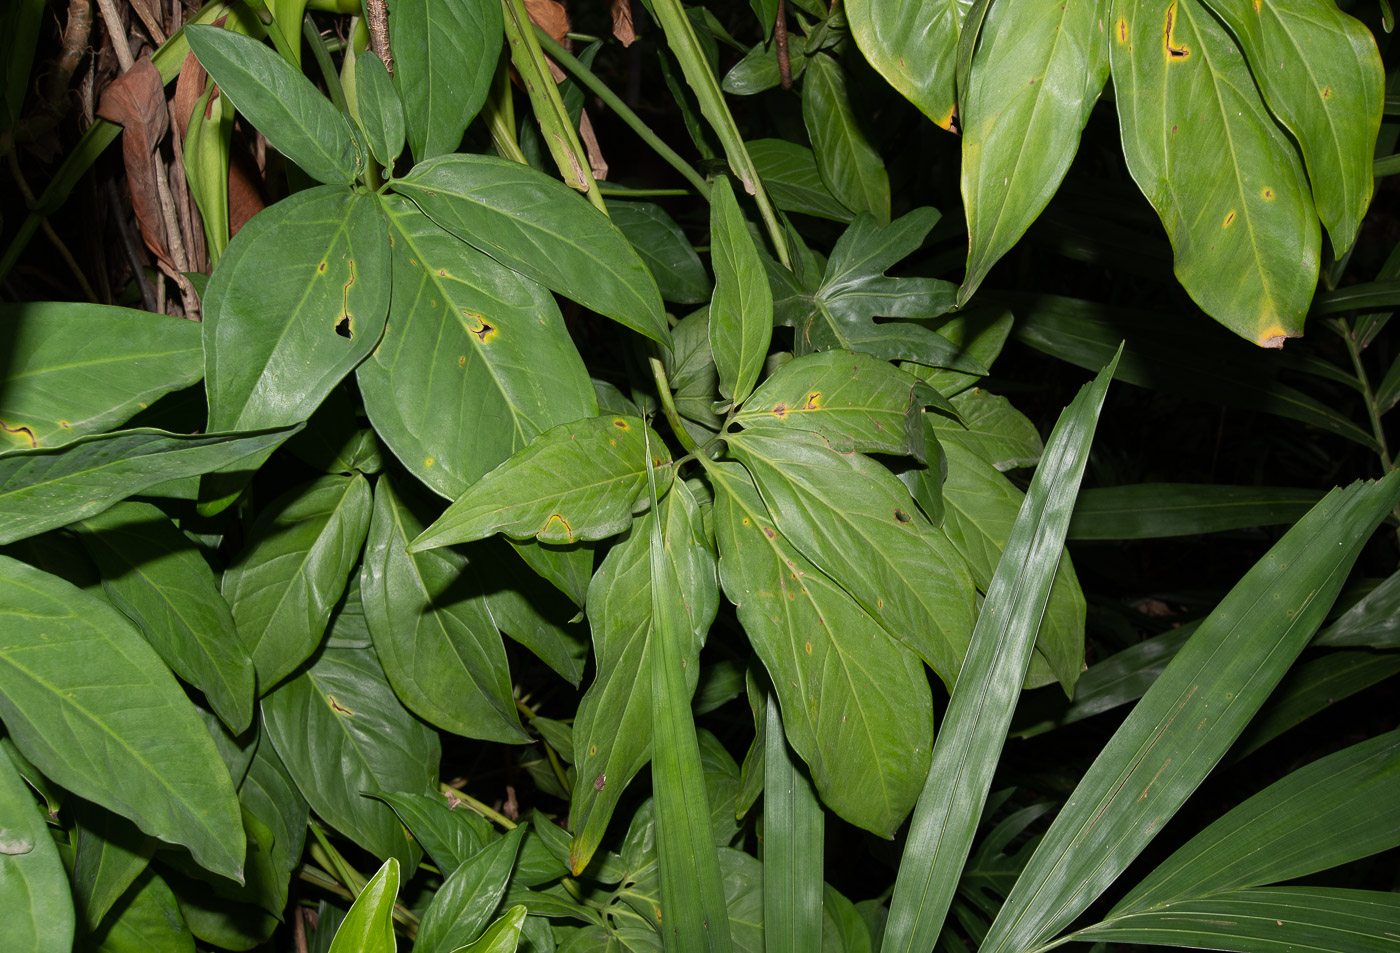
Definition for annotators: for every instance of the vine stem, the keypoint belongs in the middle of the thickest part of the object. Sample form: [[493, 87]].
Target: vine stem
[[634, 122], [668, 407], [1372, 411]]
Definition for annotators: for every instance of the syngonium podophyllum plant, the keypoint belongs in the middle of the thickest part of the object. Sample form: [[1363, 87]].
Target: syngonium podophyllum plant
[[837, 481]]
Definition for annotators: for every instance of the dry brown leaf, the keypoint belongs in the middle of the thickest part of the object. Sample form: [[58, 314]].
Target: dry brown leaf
[[188, 88], [622, 21], [136, 101], [551, 17], [590, 143]]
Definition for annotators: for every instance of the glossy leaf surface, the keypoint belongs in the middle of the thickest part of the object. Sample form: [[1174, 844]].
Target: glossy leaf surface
[[369, 926], [445, 54], [914, 47], [468, 898], [989, 426], [660, 243], [790, 174], [377, 101], [69, 664]]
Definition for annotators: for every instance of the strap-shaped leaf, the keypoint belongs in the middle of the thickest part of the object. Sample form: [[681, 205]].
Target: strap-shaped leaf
[[377, 101], [300, 553], [851, 168], [855, 521], [1322, 76], [793, 828], [1191, 715], [968, 747], [433, 630], [44, 489], [852, 399], [299, 298], [914, 46], [369, 926], [1226, 181], [542, 229], [741, 312], [76, 369], [1154, 510], [573, 482], [35, 901], [284, 106], [1036, 75], [504, 369], [69, 666], [464, 904], [342, 733], [1265, 920], [856, 703]]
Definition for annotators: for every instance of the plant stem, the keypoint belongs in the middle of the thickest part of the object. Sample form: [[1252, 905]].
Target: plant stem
[[499, 112], [325, 854], [668, 407], [323, 61], [1372, 410], [377, 19], [634, 122], [484, 810]]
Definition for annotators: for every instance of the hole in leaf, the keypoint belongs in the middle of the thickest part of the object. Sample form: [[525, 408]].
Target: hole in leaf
[[342, 327]]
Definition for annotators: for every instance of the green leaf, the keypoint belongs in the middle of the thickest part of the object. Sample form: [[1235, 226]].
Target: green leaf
[[502, 936], [980, 333], [759, 71], [448, 832], [1311, 688], [299, 298], [369, 926], [1371, 622], [270, 797], [1191, 715], [159, 580], [466, 900], [146, 920], [793, 829], [377, 101], [1036, 75], [856, 703], [76, 369], [1329, 96], [433, 631], [70, 666], [789, 172], [528, 608], [35, 902], [851, 168], [342, 734], [741, 312], [542, 229], [1266, 920], [300, 553], [284, 106], [1225, 180], [992, 429], [853, 400], [45, 489], [970, 742], [577, 481], [980, 510], [663, 246], [503, 367], [1155, 510], [914, 47], [445, 53], [613, 728], [854, 520], [109, 853]]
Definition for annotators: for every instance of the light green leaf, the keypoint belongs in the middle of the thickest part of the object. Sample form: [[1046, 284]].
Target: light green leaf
[[793, 845], [503, 367], [853, 400], [284, 106], [741, 312], [1226, 181], [1327, 89], [69, 666], [76, 369], [158, 579], [992, 429], [208, 142], [1154, 510], [35, 902], [1037, 73], [542, 229], [789, 172], [502, 936], [914, 46], [577, 481], [45, 489], [854, 520], [969, 744], [663, 246], [299, 298], [466, 900], [146, 920], [1372, 622], [1265, 920], [856, 703], [759, 71], [341, 733], [377, 101], [1191, 715], [445, 53], [369, 926], [613, 728], [300, 553], [851, 168], [433, 631]]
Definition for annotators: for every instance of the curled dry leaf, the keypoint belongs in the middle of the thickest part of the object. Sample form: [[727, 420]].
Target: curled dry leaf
[[622, 21], [136, 101]]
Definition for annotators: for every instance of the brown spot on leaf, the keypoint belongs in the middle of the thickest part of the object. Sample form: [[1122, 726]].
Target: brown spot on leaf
[[1175, 51], [902, 516], [768, 531], [1327, 92], [1229, 219], [1121, 29], [600, 782], [779, 411], [337, 707], [1268, 194], [621, 424], [24, 430], [814, 401]]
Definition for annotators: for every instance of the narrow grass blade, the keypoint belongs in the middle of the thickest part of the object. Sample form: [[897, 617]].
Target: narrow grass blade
[[1190, 716], [989, 684], [792, 847], [694, 916]]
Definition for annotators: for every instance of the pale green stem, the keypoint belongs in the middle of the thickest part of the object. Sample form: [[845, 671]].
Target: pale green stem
[[1372, 411], [483, 809], [668, 407]]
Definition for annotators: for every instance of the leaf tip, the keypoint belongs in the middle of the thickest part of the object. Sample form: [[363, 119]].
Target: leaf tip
[[1272, 336]]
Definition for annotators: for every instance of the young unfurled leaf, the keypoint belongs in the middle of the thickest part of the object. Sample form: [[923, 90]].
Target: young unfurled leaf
[[369, 926], [741, 312], [574, 482]]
